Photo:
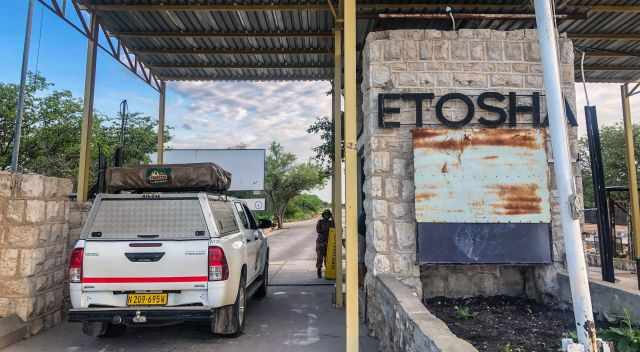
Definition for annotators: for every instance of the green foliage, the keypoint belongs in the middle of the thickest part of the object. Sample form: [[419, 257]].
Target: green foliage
[[506, 348], [50, 123], [463, 313], [304, 206], [51, 131], [324, 152], [613, 158], [285, 179], [571, 335], [625, 337], [509, 348]]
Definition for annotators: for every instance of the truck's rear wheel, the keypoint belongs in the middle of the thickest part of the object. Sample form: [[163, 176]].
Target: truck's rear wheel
[[240, 307], [98, 329], [229, 321]]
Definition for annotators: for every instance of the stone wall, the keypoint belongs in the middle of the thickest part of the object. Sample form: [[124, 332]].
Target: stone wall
[[441, 62], [402, 323], [34, 250]]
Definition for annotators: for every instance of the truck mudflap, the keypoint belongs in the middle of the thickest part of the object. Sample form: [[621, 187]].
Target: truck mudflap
[[141, 315]]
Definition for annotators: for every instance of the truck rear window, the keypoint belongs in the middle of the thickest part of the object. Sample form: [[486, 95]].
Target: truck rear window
[[179, 218], [225, 220]]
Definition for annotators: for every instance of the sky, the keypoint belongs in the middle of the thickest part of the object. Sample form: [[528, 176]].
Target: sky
[[203, 114]]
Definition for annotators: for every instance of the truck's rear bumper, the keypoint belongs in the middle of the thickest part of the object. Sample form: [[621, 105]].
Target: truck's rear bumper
[[151, 315]]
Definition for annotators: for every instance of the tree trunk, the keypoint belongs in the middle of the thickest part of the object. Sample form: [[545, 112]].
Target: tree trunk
[[280, 214]]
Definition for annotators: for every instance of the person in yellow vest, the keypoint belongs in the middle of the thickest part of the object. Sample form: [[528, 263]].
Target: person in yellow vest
[[322, 228]]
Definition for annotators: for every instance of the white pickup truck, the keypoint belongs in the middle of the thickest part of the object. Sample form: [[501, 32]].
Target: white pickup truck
[[158, 258]]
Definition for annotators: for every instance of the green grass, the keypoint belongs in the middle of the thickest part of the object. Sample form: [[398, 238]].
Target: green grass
[[463, 313]]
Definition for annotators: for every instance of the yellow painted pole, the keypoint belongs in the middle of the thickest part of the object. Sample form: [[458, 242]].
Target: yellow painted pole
[[337, 160], [351, 179], [160, 148], [631, 172], [84, 167]]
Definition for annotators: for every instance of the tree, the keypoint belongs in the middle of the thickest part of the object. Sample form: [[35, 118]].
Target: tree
[[285, 179], [140, 139], [304, 206], [325, 152], [51, 131], [8, 99], [613, 159]]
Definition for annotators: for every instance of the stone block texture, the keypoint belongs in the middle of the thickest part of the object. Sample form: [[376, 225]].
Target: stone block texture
[[402, 323], [35, 237], [441, 62]]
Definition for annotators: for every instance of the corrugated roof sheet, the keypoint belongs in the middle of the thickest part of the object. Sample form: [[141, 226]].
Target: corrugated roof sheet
[[302, 57]]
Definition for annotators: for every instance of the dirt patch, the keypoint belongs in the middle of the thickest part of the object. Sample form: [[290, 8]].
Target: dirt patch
[[504, 324]]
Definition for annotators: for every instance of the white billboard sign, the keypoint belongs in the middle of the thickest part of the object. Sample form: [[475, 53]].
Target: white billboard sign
[[255, 204], [246, 165]]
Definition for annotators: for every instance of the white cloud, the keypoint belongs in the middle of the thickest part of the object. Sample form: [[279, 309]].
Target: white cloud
[[228, 114], [607, 99]]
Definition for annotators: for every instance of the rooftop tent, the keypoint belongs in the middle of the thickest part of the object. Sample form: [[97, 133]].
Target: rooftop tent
[[206, 177]]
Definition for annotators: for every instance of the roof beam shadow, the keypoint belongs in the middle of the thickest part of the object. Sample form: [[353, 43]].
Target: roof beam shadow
[[611, 68], [605, 36], [218, 34], [231, 51], [240, 66]]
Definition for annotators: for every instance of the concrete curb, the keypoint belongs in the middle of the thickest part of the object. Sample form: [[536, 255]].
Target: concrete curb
[[606, 298], [405, 324], [12, 330]]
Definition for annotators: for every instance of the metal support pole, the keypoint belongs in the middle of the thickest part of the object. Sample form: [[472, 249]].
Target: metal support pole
[[634, 206], [565, 181], [163, 91], [337, 161], [605, 238], [23, 86], [351, 179], [87, 113]]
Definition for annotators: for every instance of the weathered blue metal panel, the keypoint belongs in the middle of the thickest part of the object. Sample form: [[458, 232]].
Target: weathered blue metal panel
[[482, 196], [462, 243], [481, 176]]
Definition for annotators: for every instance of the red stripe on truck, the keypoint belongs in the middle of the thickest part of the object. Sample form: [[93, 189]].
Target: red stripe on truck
[[123, 280]]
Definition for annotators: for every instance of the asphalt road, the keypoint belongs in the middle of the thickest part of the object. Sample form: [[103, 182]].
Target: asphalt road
[[297, 315]]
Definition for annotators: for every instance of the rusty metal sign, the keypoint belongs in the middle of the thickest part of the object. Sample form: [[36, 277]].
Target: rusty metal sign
[[481, 175], [482, 195]]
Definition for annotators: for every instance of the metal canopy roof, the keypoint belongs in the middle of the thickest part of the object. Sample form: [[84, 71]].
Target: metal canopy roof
[[288, 40]]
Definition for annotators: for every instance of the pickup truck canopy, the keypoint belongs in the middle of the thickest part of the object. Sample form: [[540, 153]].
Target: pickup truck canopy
[[198, 177]]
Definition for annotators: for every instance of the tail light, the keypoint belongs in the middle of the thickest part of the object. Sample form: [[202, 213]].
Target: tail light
[[75, 265], [218, 268]]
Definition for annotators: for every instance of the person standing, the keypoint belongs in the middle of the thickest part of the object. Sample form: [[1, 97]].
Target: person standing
[[322, 228]]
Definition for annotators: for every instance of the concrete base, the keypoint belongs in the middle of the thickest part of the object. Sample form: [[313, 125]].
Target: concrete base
[[608, 300], [12, 330]]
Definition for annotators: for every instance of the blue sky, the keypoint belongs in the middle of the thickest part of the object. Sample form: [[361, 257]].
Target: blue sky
[[203, 114], [61, 59]]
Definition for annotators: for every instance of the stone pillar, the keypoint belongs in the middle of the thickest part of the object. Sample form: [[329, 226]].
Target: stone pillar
[[440, 62], [33, 247]]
